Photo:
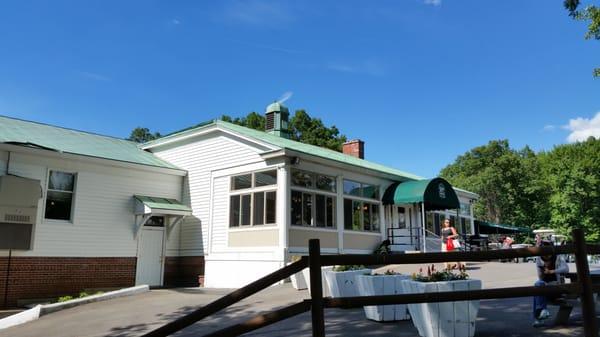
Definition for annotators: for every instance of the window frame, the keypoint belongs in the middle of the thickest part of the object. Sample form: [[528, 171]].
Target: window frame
[[264, 189], [71, 219], [314, 191]]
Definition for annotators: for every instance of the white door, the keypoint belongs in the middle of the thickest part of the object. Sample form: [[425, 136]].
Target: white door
[[400, 229], [150, 256]]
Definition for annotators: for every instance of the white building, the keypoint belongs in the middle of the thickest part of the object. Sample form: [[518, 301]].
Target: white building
[[219, 201]]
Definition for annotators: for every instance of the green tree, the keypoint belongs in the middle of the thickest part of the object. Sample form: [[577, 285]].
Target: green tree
[[506, 180], [589, 14], [572, 172], [302, 127], [142, 135]]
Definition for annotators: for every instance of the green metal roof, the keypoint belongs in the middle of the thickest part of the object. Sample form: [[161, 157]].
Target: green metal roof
[[157, 203], [48, 137], [436, 193], [295, 146]]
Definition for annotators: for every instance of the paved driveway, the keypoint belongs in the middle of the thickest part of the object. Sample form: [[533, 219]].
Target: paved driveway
[[134, 315]]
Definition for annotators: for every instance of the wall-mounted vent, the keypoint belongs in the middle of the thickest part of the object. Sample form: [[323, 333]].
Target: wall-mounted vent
[[17, 218]]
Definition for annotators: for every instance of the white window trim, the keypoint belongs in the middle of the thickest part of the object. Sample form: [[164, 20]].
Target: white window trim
[[251, 191], [71, 221], [370, 201], [313, 215]]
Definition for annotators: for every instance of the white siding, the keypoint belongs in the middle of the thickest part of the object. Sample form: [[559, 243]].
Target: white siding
[[200, 157], [220, 219], [103, 218]]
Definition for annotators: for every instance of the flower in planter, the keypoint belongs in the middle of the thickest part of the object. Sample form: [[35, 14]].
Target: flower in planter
[[349, 267], [434, 275]]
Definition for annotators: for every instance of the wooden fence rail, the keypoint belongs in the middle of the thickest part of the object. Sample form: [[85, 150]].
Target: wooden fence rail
[[583, 287]]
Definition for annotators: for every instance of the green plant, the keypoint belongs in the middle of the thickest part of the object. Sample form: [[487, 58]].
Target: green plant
[[434, 275], [64, 298], [348, 267]]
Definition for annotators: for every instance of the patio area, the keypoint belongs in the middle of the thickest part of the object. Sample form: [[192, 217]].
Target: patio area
[[135, 315]]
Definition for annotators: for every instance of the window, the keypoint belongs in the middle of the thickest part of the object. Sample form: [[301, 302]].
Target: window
[[59, 195], [155, 221], [254, 209], [361, 189], [313, 199], [257, 179], [256, 203], [361, 216]]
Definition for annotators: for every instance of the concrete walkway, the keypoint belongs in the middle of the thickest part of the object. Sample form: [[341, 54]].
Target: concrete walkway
[[134, 315]]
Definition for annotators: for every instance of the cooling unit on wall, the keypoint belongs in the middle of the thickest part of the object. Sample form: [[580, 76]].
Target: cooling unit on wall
[[18, 210]]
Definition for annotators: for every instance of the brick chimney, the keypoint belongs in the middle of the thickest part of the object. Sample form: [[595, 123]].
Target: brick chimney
[[355, 147]]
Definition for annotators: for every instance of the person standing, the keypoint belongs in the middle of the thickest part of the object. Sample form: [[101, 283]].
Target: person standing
[[448, 233]]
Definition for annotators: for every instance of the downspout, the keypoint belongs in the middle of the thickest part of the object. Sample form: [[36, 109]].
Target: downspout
[[423, 226], [9, 250]]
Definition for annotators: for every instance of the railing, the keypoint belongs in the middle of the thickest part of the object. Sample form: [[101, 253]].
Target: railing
[[317, 304], [414, 236]]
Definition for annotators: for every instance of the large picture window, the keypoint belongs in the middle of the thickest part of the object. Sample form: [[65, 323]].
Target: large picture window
[[253, 201], [313, 199], [60, 196]]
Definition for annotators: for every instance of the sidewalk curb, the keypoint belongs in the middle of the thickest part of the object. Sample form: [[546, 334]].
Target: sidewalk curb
[[41, 310], [20, 318], [50, 308]]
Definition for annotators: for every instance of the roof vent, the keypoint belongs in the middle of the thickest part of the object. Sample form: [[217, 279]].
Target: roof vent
[[277, 116]]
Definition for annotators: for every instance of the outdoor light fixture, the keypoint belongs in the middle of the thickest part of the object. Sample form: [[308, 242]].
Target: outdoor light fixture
[[294, 160]]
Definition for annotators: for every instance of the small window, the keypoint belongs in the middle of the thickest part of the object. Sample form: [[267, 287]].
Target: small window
[[245, 210], [307, 209], [271, 207], [296, 208], [302, 179], [59, 195], [326, 183], [265, 178], [370, 191], [352, 188], [259, 208], [234, 211], [155, 221], [241, 182]]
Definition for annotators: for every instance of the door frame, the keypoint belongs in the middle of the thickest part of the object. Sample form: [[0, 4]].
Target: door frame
[[162, 253]]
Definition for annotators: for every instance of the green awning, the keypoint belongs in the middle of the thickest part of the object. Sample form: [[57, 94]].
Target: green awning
[[484, 227], [157, 205], [436, 193]]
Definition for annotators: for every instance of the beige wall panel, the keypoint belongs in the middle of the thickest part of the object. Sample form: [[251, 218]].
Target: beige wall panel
[[254, 238], [361, 241], [299, 238]]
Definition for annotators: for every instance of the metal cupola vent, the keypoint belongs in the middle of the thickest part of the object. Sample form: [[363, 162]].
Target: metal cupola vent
[[277, 117]]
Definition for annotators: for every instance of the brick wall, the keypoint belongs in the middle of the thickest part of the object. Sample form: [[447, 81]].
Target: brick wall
[[46, 277], [183, 271]]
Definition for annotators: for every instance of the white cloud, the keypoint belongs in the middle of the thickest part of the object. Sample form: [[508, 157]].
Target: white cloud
[[549, 127], [433, 2], [94, 76], [176, 22], [583, 128]]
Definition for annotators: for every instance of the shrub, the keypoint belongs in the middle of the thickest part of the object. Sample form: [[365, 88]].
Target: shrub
[[349, 267], [64, 298]]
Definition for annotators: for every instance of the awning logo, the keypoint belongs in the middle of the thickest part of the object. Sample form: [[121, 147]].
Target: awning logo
[[442, 191]]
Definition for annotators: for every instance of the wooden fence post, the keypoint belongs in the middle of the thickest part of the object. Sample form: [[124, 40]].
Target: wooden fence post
[[590, 323], [316, 288]]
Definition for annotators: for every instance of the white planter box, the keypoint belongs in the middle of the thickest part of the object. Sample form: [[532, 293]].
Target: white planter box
[[343, 283], [298, 281], [306, 274], [377, 285], [444, 319]]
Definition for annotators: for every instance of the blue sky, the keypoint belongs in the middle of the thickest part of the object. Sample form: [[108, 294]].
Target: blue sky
[[420, 81]]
